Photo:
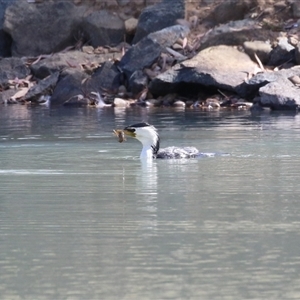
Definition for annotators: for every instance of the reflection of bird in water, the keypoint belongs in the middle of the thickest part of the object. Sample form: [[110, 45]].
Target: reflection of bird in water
[[148, 136]]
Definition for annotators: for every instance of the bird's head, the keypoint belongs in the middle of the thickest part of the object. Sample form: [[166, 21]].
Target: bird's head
[[147, 135]]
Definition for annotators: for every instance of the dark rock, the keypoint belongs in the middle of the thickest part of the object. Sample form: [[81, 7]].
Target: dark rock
[[5, 44], [297, 54], [157, 17], [43, 87], [103, 28], [231, 10], [70, 90], [169, 35], [282, 53], [11, 68], [136, 59], [41, 28], [107, 78], [5, 39], [137, 82], [73, 60], [220, 67], [148, 50]]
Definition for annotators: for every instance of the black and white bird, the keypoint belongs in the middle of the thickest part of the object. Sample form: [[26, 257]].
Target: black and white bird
[[148, 136]]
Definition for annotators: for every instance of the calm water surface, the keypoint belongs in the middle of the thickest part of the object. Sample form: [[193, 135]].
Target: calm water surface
[[81, 217]]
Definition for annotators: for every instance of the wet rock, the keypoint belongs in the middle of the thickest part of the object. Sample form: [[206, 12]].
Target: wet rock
[[178, 103], [11, 68], [43, 87], [107, 77], [260, 48], [221, 67], [6, 95], [159, 16], [152, 45], [57, 25], [70, 90], [103, 28], [72, 60], [119, 102]]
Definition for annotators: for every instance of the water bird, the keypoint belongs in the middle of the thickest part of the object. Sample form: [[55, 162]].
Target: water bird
[[147, 134]]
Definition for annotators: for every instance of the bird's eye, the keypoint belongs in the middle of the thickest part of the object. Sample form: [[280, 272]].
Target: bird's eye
[[130, 129]]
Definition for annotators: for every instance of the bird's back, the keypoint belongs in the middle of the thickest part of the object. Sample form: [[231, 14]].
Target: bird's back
[[175, 152]]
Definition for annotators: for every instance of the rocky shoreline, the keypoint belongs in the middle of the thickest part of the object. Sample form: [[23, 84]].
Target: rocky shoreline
[[237, 54]]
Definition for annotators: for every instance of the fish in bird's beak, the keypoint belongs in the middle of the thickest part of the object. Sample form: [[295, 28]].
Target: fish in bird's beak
[[120, 134]]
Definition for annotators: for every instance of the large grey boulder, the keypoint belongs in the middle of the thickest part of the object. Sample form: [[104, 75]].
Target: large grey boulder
[[280, 95], [41, 28], [103, 28], [156, 17], [220, 67]]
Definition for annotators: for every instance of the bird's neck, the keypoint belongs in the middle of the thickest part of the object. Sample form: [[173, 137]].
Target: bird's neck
[[147, 151], [150, 144]]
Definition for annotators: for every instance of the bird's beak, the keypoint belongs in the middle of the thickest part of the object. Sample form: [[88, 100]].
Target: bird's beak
[[129, 131]]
